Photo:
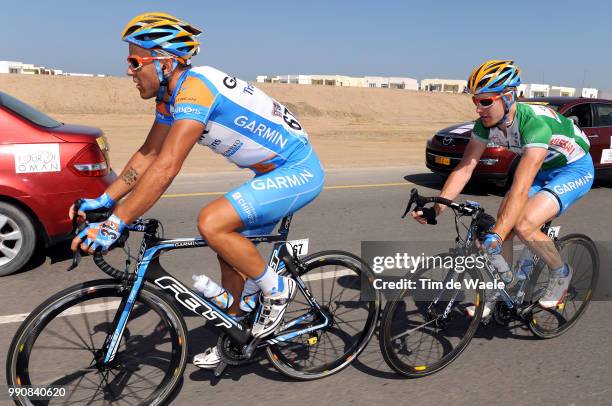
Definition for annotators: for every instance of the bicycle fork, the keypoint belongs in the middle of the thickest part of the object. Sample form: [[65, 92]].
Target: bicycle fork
[[112, 342]]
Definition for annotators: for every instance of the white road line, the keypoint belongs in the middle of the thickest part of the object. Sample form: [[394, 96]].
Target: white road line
[[329, 274], [100, 307]]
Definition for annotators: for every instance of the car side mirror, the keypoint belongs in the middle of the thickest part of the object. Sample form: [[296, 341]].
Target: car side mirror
[[574, 119]]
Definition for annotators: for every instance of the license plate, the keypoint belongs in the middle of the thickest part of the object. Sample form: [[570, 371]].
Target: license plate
[[442, 160]]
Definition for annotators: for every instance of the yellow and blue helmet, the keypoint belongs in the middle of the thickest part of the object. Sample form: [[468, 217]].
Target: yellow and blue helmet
[[494, 76], [164, 32]]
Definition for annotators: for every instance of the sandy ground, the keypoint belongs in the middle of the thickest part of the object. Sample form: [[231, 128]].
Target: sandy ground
[[348, 127]]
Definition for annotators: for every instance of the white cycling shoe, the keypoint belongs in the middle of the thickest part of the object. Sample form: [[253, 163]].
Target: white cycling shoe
[[273, 308], [209, 359], [556, 289]]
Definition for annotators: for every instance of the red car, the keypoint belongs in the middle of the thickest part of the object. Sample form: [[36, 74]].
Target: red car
[[45, 166], [497, 164]]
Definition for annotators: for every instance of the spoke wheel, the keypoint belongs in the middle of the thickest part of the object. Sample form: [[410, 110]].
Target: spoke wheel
[[61, 343], [341, 284], [424, 329], [580, 253]]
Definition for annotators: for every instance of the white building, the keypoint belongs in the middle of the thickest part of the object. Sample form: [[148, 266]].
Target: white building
[[443, 85], [390, 82], [588, 92], [533, 90], [562, 91], [263, 79], [345, 81], [10, 67], [21, 68], [336, 80]]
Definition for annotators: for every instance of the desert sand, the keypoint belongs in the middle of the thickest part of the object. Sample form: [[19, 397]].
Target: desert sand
[[348, 127]]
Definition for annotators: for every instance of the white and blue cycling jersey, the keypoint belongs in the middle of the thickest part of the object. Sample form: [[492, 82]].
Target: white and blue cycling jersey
[[242, 123], [253, 131]]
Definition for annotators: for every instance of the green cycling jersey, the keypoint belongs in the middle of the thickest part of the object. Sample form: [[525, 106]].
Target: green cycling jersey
[[538, 126]]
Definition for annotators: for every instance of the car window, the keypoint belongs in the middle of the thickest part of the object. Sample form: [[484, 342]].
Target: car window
[[28, 112], [604, 115], [582, 112]]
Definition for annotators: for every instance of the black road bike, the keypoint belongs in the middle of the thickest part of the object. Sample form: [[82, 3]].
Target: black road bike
[[426, 328], [124, 341]]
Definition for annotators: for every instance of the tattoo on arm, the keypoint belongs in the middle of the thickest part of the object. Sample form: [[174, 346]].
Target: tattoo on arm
[[130, 176]]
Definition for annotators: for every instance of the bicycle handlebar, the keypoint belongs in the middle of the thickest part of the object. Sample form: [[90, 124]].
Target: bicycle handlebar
[[482, 221], [421, 201]]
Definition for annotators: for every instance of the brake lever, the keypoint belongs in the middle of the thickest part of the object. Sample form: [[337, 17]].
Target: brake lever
[[76, 259], [413, 196]]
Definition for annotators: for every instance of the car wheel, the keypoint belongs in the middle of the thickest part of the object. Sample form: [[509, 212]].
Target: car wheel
[[17, 239]]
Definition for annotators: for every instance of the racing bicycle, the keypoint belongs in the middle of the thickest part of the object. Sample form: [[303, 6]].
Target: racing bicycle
[[426, 328], [124, 340]]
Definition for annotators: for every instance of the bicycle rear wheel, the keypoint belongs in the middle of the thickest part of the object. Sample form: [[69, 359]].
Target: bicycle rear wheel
[[425, 328], [341, 284], [580, 253], [61, 342]]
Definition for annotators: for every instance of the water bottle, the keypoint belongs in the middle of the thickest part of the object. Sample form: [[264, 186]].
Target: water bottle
[[213, 292], [525, 264], [248, 298], [504, 271]]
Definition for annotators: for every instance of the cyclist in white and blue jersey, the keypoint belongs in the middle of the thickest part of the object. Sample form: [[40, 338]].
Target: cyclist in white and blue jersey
[[233, 118]]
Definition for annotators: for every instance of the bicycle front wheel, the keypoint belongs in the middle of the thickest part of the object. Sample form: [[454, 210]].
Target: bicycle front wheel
[[341, 284], [61, 344], [579, 252], [426, 327]]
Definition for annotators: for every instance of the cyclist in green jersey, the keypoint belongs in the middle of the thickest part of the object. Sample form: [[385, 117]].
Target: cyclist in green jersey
[[555, 170]]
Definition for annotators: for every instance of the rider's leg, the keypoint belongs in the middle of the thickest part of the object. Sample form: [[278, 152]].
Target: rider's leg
[[508, 244], [218, 223], [233, 281], [539, 209]]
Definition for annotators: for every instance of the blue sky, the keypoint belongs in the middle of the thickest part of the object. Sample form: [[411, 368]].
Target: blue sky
[[555, 42]]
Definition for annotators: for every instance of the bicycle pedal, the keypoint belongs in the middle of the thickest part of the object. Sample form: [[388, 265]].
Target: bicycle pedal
[[220, 368]]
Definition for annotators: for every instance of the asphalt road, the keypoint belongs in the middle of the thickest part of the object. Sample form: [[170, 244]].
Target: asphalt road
[[501, 366]]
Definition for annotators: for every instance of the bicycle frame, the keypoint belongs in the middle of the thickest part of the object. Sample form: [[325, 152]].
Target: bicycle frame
[[468, 248], [148, 269]]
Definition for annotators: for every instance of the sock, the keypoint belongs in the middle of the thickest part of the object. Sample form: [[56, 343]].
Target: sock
[[270, 282], [248, 298], [563, 271]]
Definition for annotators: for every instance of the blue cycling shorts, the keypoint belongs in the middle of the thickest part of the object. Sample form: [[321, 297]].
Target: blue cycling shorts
[[566, 184], [267, 198]]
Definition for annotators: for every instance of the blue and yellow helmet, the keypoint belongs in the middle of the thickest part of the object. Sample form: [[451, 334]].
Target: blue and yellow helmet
[[494, 76], [165, 32]]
